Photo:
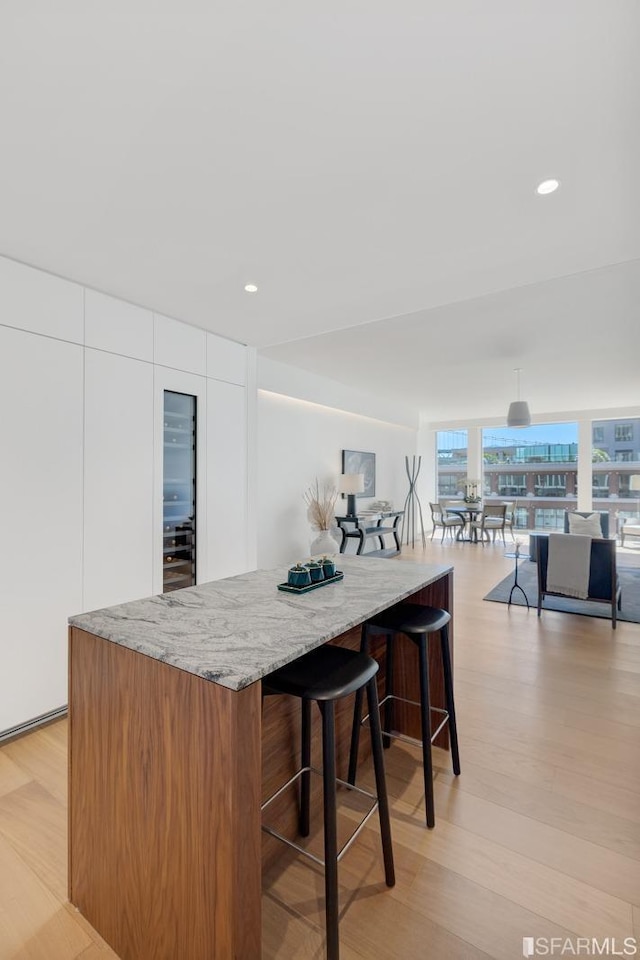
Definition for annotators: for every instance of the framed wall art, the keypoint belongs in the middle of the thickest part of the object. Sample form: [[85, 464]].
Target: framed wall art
[[355, 461]]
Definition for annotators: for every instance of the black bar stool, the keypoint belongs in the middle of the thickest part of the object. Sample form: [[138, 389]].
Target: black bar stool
[[325, 675], [417, 623]]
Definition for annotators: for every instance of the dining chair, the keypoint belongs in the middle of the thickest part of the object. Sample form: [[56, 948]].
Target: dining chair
[[510, 517], [440, 519], [491, 521]]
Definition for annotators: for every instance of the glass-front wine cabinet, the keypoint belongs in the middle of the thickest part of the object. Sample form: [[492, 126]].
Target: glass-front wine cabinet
[[179, 491]]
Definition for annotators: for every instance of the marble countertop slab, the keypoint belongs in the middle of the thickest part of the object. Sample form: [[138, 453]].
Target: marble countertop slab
[[237, 630]]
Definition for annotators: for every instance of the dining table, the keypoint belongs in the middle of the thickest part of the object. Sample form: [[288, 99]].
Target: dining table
[[468, 513]]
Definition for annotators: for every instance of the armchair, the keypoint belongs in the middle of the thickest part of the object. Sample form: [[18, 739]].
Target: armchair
[[604, 586], [629, 527]]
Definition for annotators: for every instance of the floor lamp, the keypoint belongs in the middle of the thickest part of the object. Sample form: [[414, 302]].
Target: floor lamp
[[411, 503]]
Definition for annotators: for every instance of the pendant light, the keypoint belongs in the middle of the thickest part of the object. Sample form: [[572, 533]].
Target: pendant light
[[518, 415]]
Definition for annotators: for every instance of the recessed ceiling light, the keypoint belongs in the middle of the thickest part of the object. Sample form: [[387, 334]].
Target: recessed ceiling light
[[547, 186], [250, 288]]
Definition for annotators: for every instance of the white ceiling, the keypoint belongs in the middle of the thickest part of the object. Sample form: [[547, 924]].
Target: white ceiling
[[371, 166]]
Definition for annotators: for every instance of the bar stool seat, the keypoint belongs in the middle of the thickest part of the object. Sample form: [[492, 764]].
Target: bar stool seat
[[416, 622], [326, 675], [322, 674]]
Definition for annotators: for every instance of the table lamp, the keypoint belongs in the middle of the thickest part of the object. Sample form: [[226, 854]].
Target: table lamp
[[351, 483]]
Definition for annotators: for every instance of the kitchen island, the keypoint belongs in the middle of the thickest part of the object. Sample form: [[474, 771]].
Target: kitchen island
[[170, 752]]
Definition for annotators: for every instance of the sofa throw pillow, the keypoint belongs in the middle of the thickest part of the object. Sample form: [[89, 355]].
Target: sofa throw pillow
[[585, 526]]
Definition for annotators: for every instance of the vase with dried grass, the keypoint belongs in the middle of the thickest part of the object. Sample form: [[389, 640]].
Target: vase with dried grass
[[321, 504]]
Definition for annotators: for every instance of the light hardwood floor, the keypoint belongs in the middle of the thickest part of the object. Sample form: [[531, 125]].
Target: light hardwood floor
[[539, 836]]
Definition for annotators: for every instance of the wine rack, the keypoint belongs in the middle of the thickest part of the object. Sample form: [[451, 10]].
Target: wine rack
[[179, 492]]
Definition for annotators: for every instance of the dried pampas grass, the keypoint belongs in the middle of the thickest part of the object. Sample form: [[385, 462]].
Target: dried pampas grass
[[321, 503]]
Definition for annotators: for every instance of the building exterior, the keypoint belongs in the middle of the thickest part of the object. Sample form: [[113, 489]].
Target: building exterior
[[542, 478]]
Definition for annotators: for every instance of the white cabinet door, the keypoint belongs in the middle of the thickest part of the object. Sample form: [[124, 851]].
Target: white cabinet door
[[118, 327], [41, 497], [118, 470], [226, 360], [36, 301], [227, 548], [179, 345]]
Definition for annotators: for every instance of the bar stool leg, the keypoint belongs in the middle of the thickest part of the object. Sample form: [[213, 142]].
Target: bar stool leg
[[305, 761], [425, 714], [330, 828], [448, 692], [388, 692], [357, 716], [381, 785]]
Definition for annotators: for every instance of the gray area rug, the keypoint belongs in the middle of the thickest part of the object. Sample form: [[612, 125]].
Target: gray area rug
[[528, 579]]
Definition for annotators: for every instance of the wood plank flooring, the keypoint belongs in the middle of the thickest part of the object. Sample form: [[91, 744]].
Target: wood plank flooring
[[539, 836]]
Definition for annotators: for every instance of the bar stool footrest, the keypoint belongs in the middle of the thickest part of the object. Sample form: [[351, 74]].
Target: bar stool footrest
[[291, 843], [403, 736]]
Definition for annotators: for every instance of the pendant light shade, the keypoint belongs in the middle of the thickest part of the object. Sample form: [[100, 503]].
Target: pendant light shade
[[519, 415]]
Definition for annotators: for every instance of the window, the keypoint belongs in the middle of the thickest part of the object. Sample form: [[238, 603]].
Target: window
[[512, 485], [451, 450], [600, 486], [549, 519], [623, 432], [616, 440], [448, 484], [625, 486], [521, 517], [551, 485]]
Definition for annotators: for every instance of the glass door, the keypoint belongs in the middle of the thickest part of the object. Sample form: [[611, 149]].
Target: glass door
[[179, 491]]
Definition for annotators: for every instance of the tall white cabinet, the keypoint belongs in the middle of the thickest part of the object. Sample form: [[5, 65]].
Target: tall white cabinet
[[41, 385], [82, 379], [118, 479]]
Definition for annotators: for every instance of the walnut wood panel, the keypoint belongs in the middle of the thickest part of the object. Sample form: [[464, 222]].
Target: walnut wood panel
[[164, 807]]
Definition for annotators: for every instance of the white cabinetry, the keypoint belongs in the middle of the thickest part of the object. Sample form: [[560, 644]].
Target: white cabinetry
[[226, 360], [39, 302], [118, 327], [179, 345], [227, 479], [41, 495], [118, 479], [82, 381]]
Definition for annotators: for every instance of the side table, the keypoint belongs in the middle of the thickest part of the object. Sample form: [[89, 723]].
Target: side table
[[362, 527], [516, 585]]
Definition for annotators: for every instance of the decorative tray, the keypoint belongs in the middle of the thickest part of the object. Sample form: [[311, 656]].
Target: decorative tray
[[289, 587]]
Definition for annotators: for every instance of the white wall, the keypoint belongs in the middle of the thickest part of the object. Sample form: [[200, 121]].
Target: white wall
[[82, 377], [299, 440]]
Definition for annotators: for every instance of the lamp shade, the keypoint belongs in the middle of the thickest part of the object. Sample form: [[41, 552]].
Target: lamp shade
[[351, 483], [519, 415]]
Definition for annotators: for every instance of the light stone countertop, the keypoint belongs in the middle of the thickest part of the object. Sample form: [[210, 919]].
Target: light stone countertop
[[237, 630]]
